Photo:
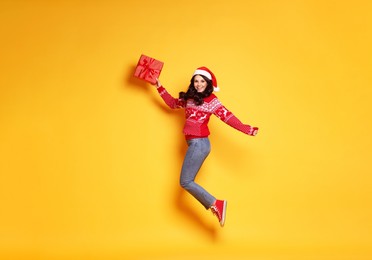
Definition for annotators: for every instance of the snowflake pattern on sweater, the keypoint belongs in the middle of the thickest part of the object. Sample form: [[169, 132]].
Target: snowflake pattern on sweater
[[197, 117]]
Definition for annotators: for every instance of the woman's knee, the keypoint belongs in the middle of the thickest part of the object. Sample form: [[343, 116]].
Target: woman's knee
[[185, 183]]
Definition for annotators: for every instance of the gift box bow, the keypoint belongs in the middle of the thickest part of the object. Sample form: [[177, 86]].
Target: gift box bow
[[148, 67]]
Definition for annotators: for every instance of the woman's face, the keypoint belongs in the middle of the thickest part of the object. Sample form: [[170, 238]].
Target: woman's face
[[199, 83]]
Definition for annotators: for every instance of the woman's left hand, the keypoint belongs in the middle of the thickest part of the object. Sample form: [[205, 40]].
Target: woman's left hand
[[253, 131]]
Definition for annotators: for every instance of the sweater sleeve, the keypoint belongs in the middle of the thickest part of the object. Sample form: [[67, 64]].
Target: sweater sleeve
[[226, 116], [172, 102], [247, 129]]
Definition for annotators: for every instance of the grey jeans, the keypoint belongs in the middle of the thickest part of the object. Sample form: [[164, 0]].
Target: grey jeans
[[198, 150]]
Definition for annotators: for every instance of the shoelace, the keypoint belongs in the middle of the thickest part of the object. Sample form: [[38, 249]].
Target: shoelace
[[215, 211]]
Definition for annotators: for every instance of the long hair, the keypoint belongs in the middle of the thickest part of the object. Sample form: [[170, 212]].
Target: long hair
[[193, 94]]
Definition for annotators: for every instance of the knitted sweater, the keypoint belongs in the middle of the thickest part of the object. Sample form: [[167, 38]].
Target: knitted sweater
[[197, 117]]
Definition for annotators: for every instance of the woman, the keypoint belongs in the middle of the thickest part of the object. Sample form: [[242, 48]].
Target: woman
[[200, 103]]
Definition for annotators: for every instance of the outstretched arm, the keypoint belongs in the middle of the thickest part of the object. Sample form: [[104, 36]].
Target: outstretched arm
[[247, 129], [226, 116], [168, 99]]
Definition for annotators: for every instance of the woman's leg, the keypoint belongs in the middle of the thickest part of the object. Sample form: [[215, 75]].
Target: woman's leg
[[197, 151]]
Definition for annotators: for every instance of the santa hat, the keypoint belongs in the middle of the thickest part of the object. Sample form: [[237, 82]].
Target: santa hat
[[209, 74]]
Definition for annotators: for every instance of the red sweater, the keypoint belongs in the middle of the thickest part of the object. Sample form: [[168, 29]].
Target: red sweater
[[197, 117]]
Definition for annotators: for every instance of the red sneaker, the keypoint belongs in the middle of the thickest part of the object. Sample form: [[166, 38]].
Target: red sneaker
[[219, 209]]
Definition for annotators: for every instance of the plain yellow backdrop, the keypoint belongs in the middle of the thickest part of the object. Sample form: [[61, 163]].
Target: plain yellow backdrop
[[90, 156]]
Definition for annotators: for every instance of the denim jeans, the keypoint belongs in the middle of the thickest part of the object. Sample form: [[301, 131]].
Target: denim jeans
[[198, 150]]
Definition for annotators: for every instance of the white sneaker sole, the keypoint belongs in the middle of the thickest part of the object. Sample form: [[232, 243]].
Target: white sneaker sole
[[222, 222]]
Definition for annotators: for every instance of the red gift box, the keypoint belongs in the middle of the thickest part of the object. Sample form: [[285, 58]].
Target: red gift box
[[148, 69]]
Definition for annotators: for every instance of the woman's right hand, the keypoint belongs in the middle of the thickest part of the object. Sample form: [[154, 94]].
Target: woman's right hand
[[158, 84]]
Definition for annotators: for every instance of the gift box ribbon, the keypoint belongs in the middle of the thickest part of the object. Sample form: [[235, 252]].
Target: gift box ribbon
[[149, 66]]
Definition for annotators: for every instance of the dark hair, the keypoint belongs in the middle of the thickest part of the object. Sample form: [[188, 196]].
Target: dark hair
[[193, 94]]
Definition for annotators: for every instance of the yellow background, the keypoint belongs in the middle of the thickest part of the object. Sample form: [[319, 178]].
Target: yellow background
[[90, 156]]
